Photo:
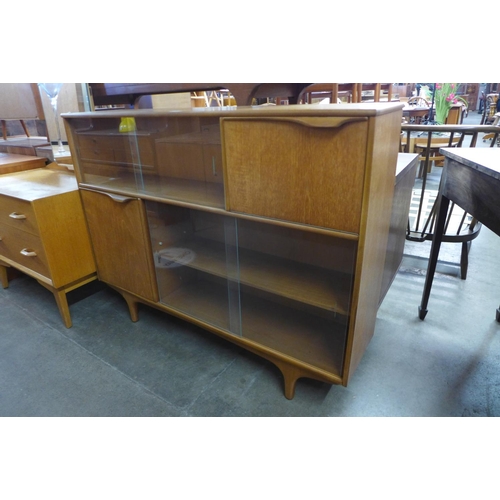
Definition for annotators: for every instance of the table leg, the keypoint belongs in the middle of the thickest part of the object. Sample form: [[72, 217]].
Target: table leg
[[498, 314], [443, 204]]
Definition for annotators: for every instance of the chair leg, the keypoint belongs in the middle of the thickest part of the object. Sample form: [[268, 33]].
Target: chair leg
[[464, 259]]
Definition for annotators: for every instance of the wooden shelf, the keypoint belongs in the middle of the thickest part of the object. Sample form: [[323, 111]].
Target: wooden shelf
[[288, 330], [311, 285], [169, 188]]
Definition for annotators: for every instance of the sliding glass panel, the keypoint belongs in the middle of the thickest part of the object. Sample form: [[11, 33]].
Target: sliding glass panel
[[195, 257], [296, 291], [172, 157]]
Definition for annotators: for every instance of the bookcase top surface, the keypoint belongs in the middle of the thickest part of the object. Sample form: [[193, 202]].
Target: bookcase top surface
[[321, 110]]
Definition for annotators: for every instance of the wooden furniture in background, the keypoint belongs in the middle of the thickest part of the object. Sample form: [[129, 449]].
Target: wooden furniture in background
[[19, 102], [422, 223], [16, 163], [267, 226], [43, 232], [333, 91], [489, 109], [244, 93], [471, 179], [403, 187], [381, 91]]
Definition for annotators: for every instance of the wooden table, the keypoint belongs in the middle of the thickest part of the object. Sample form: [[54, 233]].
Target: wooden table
[[244, 93], [471, 179], [415, 111]]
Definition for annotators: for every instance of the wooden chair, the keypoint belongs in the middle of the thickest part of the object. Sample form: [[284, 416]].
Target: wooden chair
[[351, 91], [489, 109], [418, 101], [4, 129], [378, 90], [491, 136], [422, 227], [429, 152]]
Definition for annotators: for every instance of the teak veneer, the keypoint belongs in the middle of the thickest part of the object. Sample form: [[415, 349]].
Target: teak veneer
[[267, 226], [43, 232]]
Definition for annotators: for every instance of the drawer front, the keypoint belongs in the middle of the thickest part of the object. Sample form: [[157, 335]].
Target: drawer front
[[23, 248], [18, 214], [141, 152], [97, 153], [125, 149]]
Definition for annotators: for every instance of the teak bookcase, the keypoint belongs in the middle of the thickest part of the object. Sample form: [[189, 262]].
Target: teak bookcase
[[267, 226]]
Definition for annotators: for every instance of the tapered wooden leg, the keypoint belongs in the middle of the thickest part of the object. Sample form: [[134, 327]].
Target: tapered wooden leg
[[290, 387], [3, 277], [133, 307], [290, 376], [61, 301], [62, 304]]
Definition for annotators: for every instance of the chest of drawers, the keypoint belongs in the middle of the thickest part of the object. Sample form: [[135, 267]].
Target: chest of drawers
[[43, 232]]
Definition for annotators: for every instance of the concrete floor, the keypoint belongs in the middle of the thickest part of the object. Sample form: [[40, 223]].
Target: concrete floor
[[105, 365]]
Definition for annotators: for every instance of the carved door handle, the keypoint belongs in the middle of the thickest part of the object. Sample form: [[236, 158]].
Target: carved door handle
[[28, 253], [15, 215]]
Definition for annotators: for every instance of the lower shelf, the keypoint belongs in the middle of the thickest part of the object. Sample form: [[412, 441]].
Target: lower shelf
[[318, 340]]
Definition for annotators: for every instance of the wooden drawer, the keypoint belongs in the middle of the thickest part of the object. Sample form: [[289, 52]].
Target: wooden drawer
[[18, 214], [127, 149], [143, 147], [14, 241], [97, 154]]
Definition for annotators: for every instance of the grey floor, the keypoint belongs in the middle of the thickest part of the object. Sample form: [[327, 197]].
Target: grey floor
[[105, 365]]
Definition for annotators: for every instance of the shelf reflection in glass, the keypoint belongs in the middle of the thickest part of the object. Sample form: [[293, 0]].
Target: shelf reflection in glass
[[241, 276]]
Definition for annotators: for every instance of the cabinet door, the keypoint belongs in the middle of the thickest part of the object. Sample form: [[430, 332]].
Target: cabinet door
[[118, 229], [283, 288], [309, 170]]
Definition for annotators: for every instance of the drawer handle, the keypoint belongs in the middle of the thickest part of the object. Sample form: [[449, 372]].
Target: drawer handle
[[15, 215], [28, 253], [118, 198]]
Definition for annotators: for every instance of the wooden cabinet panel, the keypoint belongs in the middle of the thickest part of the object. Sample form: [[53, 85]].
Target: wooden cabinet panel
[[296, 171], [121, 242]]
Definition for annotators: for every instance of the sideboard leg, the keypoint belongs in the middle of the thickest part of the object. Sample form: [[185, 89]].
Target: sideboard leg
[[61, 301], [290, 387], [3, 277], [62, 305], [133, 307], [290, 376]]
